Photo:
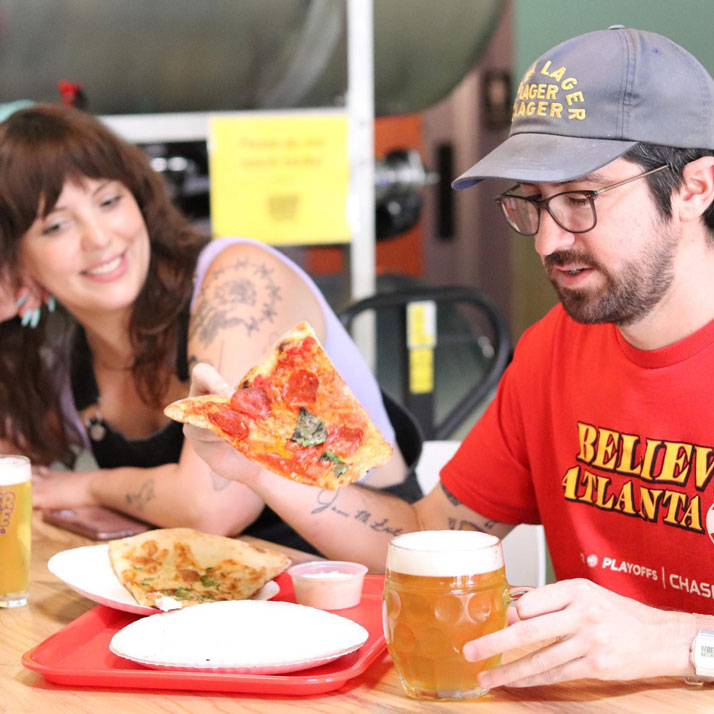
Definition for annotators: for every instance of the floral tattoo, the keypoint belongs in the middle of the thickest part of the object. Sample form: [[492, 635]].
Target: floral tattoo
[[243, 294]]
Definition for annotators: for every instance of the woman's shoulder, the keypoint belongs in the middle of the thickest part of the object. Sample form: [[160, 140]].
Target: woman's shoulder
[[252, 282], [241, 254]]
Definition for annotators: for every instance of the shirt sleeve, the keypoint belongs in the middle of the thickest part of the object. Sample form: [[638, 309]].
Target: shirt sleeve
[[490, 472]]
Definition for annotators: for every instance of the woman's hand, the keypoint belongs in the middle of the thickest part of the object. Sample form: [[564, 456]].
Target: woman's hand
[[583, 630], [61, 489], [220, 456]]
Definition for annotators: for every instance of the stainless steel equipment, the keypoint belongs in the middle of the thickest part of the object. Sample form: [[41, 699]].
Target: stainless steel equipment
[[153, 56]]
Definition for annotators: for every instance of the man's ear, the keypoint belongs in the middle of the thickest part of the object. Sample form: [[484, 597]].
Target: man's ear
[[697, 191]]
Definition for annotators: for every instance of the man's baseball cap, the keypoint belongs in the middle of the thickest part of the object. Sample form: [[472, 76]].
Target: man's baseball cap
[[592, 98]]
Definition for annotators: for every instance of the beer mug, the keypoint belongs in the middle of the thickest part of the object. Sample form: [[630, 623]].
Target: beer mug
[[15, 529], [442, 589]]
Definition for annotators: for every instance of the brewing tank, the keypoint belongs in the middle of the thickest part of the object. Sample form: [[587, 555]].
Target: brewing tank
[[161, 56]]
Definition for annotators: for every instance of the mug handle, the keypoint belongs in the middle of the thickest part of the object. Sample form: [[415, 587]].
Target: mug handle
[[516, 592]]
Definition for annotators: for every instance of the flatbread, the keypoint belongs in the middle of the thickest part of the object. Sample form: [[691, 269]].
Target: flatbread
[[191, 567], [293, 414]]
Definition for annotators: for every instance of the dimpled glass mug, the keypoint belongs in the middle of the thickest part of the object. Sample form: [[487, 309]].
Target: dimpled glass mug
[[15, 524], [443, 589]]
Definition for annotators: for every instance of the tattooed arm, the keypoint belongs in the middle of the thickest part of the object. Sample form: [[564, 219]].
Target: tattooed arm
[[247, 300], [353, 523], [357, 523]]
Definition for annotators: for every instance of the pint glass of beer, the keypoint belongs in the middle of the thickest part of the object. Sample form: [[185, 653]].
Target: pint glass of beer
[[442, 589], [15, 523]]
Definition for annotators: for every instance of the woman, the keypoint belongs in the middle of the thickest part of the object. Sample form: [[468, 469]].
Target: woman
[[86, 225]]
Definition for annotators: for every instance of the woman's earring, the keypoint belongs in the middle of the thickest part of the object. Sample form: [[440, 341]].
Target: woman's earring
[[31, 318]]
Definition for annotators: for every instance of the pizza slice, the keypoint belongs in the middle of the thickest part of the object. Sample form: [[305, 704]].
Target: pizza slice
[[293, 414], [191, 567]]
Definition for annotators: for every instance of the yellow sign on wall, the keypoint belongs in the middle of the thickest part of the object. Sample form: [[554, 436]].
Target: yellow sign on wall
[[421, 340], [280, 178]]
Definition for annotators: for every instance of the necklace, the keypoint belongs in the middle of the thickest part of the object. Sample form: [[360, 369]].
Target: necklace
[[94, 422], [96, 426]]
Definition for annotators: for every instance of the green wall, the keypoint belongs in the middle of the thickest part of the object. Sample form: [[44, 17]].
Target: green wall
[[541, 24]]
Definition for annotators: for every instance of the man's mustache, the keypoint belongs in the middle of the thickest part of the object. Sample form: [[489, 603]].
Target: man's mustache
[[566, 257]]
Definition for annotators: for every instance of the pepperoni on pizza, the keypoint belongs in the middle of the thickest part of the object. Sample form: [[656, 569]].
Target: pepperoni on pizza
[[293, 414]]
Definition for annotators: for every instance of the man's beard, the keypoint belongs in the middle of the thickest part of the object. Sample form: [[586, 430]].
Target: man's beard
[[628, 295]]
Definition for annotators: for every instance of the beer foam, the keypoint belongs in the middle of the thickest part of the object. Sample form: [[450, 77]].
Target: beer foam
[[445, 553], [14, 469]]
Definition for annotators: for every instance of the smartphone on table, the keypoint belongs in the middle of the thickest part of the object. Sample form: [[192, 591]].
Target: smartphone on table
[[96, 522]]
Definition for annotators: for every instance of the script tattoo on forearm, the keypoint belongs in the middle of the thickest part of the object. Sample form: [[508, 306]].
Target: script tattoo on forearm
[[142, 496], [243, 294], [326, 501]]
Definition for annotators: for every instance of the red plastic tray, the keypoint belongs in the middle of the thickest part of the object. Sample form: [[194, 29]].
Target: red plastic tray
[[78, 654]]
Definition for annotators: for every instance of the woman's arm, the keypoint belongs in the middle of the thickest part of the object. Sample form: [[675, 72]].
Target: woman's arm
[[247, 300], [353, 523], [185, 494]]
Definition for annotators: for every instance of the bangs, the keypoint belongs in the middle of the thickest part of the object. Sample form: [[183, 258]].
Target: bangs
[[40, 151], [48, 174]]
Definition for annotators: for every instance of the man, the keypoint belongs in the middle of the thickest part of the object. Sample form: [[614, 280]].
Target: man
[[600, 429]]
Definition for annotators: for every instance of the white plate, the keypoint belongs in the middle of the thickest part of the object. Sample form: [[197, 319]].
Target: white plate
[[89, 571], [239, 637]]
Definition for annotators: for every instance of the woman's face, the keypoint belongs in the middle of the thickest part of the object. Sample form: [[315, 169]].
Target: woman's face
[[92, 250]]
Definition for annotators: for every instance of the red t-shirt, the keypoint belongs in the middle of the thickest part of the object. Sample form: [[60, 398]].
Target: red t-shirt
[[611, 449]]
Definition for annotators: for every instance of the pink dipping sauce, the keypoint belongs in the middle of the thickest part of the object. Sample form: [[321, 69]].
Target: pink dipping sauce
[[328, 584]]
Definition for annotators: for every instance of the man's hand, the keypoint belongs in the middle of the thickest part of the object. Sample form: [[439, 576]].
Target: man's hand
[[220, 456], [586, 631]]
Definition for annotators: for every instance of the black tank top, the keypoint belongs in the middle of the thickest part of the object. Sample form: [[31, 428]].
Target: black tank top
[[114, 449]]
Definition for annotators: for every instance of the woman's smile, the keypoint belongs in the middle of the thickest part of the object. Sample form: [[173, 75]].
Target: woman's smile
[[108, 270]]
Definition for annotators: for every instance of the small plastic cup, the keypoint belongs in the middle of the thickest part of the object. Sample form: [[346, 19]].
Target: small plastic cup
[[328, 584]]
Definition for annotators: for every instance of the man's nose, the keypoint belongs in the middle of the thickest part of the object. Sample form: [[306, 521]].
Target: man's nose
[[551, 237]]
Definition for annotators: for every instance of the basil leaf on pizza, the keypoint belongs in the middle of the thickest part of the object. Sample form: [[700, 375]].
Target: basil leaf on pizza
[[293, 414], [309, 429]]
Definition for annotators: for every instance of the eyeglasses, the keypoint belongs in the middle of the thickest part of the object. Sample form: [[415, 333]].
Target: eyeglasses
[[573, 211]]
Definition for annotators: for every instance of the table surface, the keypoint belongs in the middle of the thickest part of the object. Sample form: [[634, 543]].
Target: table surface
[[53, 605]]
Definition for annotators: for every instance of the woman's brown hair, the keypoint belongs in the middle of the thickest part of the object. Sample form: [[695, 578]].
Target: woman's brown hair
[[42, 147]]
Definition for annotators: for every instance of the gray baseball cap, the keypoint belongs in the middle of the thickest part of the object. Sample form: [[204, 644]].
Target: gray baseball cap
[[592, 98]]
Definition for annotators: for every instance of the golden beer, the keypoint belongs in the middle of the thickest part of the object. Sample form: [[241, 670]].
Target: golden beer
[[442, 589], [15, 524]]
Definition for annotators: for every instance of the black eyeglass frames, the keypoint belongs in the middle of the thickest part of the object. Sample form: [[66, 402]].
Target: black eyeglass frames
[[573, 211]]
